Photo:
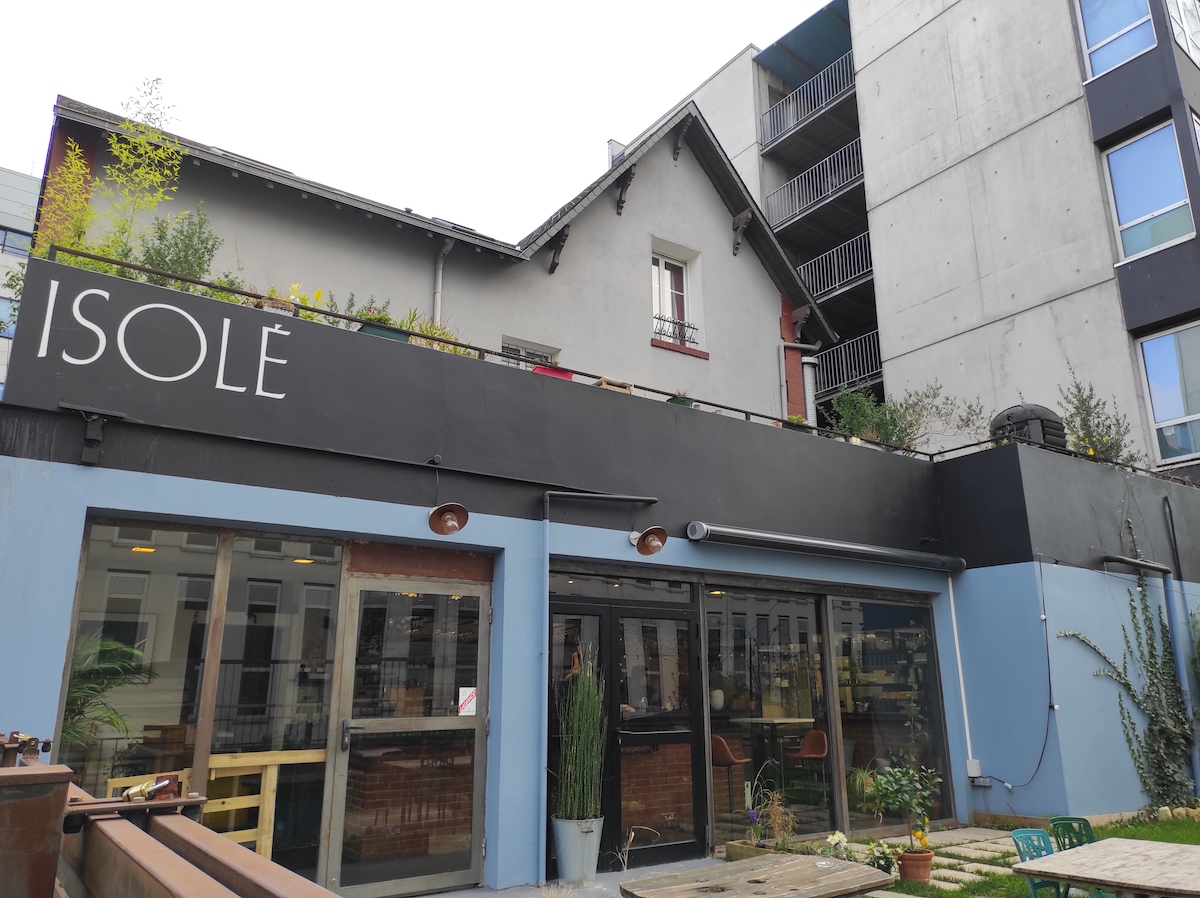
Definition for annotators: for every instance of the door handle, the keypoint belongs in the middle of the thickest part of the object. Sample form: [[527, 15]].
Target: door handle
[[347, 728]]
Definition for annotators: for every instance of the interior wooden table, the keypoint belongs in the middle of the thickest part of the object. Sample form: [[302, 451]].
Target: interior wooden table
[[772, 875], [1128, 867]]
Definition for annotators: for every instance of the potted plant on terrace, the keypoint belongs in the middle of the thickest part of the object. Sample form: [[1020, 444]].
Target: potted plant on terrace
[[577, 822], [906, 791]]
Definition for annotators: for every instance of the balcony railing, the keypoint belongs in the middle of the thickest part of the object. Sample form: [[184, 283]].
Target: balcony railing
[[841, 265], [674, 330], [808, 98], [849, 363], [808, 188]]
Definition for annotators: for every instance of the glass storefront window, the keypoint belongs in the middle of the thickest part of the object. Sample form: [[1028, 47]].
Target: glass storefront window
[[888, 692], [629, 589], [767, 709], [144, 606]]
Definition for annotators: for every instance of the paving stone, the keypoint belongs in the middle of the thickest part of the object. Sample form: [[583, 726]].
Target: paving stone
[[972, 853], [945, 861], [955, 876], [944, 886], [966, 834], [881, 894], [990, 869]]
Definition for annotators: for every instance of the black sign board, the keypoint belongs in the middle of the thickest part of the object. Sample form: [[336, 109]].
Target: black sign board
[[156, 356]]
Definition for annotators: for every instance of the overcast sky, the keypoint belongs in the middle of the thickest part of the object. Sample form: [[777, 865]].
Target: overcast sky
[[489, 114]]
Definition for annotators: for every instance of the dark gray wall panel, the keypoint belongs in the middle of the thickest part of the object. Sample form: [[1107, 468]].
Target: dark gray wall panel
[[1162, 288]]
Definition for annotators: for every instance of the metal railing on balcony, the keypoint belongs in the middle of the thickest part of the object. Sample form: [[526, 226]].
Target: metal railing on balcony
[[824, 179], [841, 265], [849, 363], [808, 98], [674, 330]]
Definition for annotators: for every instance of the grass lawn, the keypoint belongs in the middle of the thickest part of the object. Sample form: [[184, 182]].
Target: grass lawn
[[1185, 832], [991, 886]]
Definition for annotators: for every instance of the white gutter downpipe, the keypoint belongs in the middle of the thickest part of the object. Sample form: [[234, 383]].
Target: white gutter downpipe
[[808, 363], [962, 685], [437, 279], [783, 384]]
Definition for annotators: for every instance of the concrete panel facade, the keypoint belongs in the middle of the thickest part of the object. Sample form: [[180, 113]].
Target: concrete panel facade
[[988, 209]]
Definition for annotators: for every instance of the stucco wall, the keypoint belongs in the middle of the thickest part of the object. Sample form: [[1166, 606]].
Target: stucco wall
[[596, 308], [990, 228], [1016, 666]]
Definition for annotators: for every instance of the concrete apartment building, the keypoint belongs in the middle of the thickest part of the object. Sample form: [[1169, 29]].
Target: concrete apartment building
[[18, 199], [988, 194]]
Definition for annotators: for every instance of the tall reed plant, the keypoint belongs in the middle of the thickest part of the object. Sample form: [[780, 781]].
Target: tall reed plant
[[581, 726]]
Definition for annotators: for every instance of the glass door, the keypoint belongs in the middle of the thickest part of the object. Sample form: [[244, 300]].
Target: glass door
[[405, 798], [653, 798]]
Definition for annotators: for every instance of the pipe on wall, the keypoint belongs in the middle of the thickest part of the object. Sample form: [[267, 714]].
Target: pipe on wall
[[1180, 639], [437, 279]]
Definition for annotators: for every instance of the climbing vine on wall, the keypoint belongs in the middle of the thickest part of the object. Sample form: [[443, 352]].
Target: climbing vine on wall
[[1147, 677]]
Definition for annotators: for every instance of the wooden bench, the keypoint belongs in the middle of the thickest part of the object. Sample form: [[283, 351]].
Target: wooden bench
[[774, 876]]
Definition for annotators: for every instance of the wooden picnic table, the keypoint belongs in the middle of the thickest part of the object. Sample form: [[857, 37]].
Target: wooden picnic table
[[772, 875], [1128, 867]]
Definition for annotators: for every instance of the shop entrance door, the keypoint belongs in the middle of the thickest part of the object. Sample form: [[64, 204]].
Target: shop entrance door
[[404, 803], [653, 799]]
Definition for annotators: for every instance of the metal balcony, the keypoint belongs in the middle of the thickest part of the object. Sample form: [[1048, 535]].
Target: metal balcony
[[839, 267], [808, 99], [823, 180], [849, 364]]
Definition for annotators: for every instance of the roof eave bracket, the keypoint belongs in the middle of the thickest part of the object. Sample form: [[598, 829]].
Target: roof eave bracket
[[683, 129], [740, 223], [626, 180], [557, 244]]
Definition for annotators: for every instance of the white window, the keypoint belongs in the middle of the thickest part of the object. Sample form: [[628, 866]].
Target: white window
[[1149, 195], [669, 287], [531, 354], [1185, 23], [1114, 31], [1171, 367]]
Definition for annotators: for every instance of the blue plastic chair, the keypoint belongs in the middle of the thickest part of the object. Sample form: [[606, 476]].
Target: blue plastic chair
[[1071, 832], [1032, 844]]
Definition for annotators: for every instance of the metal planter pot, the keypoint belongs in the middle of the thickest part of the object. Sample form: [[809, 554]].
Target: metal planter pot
[[577, 844]]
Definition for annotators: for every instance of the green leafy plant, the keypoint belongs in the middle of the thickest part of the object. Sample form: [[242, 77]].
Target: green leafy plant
[[582, 730], [377, 315], [1147, 677], [904, 791], [99, 664], [182, 244], [917, 418], [432, 334], [1094, 429], [882, 857], [836, 846]]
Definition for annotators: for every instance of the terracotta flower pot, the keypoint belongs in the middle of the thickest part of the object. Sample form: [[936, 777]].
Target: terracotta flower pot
[[915, 864]]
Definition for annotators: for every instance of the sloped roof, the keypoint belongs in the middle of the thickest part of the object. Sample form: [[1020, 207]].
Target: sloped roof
[[698, 137]]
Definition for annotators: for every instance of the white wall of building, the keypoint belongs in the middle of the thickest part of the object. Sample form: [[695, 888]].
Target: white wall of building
[[988, 212]]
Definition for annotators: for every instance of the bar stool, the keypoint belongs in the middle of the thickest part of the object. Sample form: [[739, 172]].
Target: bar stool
[[723, 757]]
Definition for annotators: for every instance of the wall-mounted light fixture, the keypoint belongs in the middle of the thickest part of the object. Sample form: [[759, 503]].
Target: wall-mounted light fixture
[[650, 541], [447, 518]]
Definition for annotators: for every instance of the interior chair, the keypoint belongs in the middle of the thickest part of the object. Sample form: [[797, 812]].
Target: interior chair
[[1071, 832], [814, 747], [1032, 844], [722, 756]]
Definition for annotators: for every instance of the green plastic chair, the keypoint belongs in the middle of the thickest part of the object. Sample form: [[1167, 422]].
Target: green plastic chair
[[1032, 844], [1071, 832]]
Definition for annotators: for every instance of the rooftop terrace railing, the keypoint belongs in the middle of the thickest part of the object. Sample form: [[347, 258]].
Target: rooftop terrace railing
[[807, 99], [849, 363], [841, 265], [479, 352], [823, 180]]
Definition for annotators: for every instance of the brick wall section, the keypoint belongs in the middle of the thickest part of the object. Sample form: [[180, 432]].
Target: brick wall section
[[401, 805], [656, 787], [793, 370], [420, 561]]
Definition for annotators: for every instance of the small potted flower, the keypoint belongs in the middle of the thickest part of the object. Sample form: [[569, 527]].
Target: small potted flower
[[906, 791]]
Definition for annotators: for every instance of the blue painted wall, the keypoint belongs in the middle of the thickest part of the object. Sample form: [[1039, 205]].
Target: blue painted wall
[[1016, 666], [44, 506]]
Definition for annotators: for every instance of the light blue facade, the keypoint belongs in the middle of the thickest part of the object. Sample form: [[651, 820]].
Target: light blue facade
[[1016, 667], [44, 506]]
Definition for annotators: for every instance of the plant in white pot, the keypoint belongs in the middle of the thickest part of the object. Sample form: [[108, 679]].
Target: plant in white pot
[[582, 729]]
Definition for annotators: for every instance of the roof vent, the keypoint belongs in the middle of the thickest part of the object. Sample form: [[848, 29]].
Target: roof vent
[[1034, 423]]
